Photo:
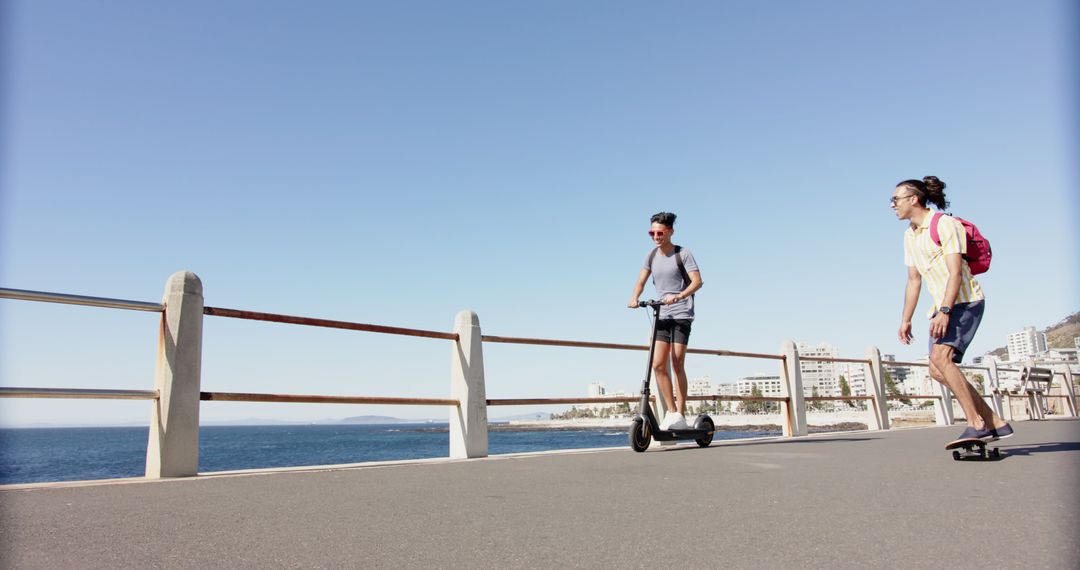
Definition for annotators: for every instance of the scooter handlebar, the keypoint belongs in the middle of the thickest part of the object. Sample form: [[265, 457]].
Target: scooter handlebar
[[650, 303]]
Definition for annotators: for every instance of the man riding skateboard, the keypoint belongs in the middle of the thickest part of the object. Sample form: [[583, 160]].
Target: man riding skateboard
[[958, 298]]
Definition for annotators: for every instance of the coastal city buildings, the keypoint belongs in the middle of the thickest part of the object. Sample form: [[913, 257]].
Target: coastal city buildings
[[598, 390], [768, 385], [1026, 344], [898, 373], [855, 375], [824, 376]]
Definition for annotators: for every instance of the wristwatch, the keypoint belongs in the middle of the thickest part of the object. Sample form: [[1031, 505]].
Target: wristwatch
[[945, 310]]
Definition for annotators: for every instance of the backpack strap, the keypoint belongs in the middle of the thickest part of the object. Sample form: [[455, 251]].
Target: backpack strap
[[682, 268], [933, 228], [678, 261]]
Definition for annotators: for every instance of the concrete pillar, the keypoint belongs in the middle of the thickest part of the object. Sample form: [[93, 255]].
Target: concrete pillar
[[875, 387], [995, 389], [468, 421], [1069, 389], [794, 410], [943, 408], [173, 449]]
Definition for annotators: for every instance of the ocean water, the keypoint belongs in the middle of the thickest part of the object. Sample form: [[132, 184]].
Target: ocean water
[[36, 455]]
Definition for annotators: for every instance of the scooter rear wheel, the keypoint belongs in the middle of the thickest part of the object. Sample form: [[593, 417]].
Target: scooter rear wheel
[[639, 436], [706, 424]]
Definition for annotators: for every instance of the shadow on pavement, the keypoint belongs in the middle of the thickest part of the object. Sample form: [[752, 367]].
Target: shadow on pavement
[[736, 443], [1035, 449]]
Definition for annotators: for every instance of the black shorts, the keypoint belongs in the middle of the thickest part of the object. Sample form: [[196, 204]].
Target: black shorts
[[673, 330]]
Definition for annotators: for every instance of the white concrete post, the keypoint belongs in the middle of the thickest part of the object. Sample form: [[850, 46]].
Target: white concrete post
[[943, 408], [995, 389], [879, 406], [468, 421], [794, 410], [173, 449], [1069, 389]]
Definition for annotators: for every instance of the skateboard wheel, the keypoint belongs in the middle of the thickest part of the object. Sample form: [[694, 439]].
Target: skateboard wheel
[[956, 455], [997, 452]]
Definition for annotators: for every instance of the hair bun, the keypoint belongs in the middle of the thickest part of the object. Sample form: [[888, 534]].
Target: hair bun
[[933, 184]]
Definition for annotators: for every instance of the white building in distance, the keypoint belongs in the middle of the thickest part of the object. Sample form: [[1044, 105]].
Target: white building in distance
[[597, 390], [897, 372], [766, 384], [825, 376], [855, 376], [918, 382], [700, 387], [1026, 344]]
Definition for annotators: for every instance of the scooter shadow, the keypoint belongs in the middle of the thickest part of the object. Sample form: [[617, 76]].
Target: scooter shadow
[[722, 443]]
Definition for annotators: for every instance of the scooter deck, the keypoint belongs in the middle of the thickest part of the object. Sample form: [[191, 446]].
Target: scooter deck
[[676, 434]]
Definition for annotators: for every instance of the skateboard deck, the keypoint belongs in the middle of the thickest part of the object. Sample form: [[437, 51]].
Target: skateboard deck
[[972, 448]]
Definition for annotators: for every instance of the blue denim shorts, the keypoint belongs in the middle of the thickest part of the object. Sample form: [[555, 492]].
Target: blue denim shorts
[[964, 319]]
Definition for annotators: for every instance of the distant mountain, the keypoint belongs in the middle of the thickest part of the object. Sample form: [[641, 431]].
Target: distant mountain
[[1061, 335], [376, 420], [249, 422]]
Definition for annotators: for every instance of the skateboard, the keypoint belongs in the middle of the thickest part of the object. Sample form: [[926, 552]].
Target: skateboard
[[972, 449]]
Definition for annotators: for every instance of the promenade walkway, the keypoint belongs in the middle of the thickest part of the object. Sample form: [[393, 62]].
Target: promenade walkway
[[890, 499]]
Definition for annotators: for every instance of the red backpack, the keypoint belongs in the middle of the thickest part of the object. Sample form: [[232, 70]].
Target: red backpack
[[978, 248]]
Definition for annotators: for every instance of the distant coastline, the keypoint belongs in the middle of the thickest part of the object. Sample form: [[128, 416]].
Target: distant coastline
[[818, 421]]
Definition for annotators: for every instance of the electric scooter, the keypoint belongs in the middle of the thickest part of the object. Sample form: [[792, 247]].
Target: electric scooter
[[645, 426]]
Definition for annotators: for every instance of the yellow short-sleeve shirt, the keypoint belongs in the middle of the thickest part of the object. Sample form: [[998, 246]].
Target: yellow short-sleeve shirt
[[928, 258]]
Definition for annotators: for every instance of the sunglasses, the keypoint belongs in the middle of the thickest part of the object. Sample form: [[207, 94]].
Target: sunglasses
[[657, 233], [895, 199]]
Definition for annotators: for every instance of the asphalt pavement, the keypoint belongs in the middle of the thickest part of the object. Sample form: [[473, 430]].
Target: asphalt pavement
[[890, 499]]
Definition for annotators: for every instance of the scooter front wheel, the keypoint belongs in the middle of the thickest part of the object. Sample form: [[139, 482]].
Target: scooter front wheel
[[639, 435], [706, 424]]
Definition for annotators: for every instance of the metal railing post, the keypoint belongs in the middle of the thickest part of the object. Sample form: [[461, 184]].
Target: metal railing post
[[795, 408], [173, 448], [468, 420], [879, 406]]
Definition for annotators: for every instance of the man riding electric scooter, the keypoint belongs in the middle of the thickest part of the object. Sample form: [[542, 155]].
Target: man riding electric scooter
[[676, 277]]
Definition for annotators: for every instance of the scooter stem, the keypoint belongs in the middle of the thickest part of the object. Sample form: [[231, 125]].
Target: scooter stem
[[652, 350]]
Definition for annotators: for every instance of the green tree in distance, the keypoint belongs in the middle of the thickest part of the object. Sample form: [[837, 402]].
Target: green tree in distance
[[845, 390], [754, 407], [892, 390], [815, 404]]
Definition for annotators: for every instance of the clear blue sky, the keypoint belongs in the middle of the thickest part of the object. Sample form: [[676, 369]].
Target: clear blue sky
[[397, 162]]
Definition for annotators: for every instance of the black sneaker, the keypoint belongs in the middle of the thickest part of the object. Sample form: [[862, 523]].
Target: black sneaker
[[975, 433], [1002, 432]]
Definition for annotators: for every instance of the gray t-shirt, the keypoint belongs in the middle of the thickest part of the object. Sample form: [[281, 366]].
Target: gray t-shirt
[[669, 281]]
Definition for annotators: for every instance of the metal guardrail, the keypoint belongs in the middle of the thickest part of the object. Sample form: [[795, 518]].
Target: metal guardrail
[[78, 394], [316, 399], [833, 359], [25, 392], [613, 346], [104, 302], [325, 323]]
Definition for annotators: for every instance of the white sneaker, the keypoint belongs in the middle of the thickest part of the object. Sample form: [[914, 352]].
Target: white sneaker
[[673, 420]]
